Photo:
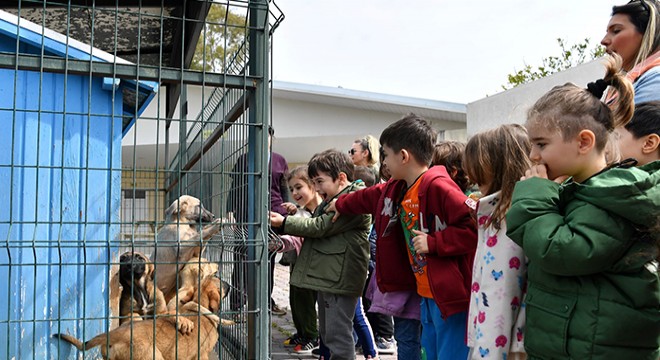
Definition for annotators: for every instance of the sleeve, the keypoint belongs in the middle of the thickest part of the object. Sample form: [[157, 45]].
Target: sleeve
[[284, 187], [291, 243], [456, 232], [647, 87], [501, 281], [583, 241], [364, 201], [322, 226]]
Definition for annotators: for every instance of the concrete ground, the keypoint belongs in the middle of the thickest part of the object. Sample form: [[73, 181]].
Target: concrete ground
[[282, 326]]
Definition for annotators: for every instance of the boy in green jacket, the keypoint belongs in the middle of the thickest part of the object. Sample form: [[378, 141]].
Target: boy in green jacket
[[333, 259]]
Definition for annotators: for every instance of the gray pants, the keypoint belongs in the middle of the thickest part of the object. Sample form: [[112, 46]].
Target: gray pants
[[336, 324]]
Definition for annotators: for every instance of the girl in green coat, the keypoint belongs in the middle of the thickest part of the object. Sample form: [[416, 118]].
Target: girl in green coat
[[593, 287]]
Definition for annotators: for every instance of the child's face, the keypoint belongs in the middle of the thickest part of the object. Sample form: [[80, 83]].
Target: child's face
[[629, 146], [549, 148], [393, 161], [325, 186], [301, 191]]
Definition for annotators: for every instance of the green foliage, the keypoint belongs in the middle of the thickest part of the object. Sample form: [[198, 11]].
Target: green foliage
[[221, 40], [574, 55]]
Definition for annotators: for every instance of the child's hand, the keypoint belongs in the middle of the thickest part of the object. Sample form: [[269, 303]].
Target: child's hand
[[541, 171], [331, 208], [290, 208], [420, 242], [276, 219]]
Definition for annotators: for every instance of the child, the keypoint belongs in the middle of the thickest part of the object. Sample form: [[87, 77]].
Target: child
[[593, 289], [333, 259], [449, 154], [495, 160], [426, 238], [301, 300], [640, 138]]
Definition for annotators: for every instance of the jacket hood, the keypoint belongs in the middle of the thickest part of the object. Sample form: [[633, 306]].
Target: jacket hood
[[632, 193]]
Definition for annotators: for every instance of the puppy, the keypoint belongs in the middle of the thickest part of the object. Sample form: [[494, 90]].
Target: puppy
[[196, 320], [139, 297], [190, 276], [179, 240]]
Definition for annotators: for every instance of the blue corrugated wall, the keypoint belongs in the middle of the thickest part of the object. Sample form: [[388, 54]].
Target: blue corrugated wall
[[60, 182]]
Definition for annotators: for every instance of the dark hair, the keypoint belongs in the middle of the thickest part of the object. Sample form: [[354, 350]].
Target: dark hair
[[499, 157], [645, 15], [450, 155], [571, 109], [331, 162], [412, 133], [645, 120], [365, 174]]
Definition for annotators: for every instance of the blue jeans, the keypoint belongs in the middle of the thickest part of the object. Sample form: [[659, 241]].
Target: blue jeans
[[407, 333], [443, 338], [363, 330]]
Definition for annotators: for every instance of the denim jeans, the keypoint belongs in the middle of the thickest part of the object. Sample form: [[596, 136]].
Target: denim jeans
[[408, 334]]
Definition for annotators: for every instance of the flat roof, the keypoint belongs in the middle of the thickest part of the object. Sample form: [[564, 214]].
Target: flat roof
[[337, 96]]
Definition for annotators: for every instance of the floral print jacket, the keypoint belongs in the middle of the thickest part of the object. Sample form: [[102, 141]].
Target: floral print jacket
[[497, 316]]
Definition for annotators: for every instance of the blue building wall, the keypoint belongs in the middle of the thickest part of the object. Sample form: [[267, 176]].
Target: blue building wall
[[60, 183]]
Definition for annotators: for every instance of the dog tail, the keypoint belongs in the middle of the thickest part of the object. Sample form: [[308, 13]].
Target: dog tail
[[94, 342], [71, 340]]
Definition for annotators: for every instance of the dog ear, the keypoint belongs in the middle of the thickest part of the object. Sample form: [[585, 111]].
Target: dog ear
[[214, 299], [172, 210]]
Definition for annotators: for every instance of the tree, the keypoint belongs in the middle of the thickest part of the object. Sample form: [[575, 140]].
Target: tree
[[574, 55], [222, 40]]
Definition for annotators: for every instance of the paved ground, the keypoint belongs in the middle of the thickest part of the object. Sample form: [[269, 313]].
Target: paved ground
[[282, 326]]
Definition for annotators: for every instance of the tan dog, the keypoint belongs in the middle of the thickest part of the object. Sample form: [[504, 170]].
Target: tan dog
[[135, 340], [139, 297], [190, 276], [180, 240]]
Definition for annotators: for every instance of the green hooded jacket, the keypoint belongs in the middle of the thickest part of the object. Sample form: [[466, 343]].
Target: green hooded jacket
[[593, 286], [335, 256]]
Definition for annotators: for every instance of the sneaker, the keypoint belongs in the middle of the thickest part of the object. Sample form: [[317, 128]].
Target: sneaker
[[385, 345], [293, 340], [276, 310], [306, 347], [316, 352]]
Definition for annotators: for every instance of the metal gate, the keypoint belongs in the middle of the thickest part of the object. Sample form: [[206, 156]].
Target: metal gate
[[112, 111]]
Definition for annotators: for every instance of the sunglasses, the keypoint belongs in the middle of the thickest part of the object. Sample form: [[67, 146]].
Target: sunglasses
[[351, 151]]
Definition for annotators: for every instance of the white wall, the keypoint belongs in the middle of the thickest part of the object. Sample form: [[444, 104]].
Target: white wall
[[305, 128], [511, 106]]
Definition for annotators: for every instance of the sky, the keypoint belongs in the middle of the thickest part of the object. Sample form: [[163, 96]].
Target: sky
[[457, 51]]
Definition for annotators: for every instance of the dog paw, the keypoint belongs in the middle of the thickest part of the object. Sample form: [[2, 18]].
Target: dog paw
[[185, 326]]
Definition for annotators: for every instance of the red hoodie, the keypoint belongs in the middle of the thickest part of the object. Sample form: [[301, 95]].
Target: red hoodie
[[452, 237]]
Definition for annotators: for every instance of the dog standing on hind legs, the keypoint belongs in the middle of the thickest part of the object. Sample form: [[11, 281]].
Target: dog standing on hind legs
[[139, 297], [180, 240]]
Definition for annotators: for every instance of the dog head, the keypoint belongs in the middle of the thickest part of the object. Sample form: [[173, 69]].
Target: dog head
[[188, 209], [134, 268], [211, 293]]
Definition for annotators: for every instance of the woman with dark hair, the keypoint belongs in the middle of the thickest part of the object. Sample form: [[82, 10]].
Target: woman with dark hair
[[634, 33]]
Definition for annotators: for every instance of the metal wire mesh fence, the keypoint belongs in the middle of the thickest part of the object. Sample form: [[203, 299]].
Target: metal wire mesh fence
[[123, 124]]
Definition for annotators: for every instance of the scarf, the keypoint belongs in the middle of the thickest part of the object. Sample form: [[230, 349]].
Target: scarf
[[635, 73]]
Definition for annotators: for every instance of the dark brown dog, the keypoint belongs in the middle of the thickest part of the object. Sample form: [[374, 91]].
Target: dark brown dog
[[180, 240], [197, 320], [139, 297]]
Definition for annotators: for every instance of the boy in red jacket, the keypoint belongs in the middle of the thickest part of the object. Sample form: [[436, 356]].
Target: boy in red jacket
[[426, 237]]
